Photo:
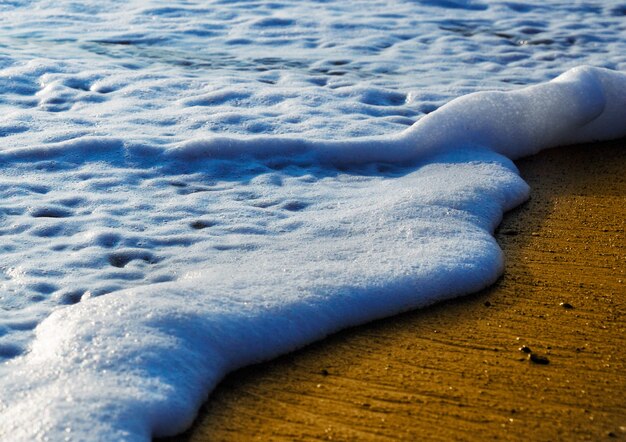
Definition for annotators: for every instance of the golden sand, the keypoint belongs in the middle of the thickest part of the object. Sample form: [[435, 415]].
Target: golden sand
[[458, 370]]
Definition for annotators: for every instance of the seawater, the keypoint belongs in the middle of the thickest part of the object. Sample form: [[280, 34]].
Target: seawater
[[191, 187]]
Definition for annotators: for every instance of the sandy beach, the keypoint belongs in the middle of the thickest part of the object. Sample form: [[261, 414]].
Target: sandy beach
[[541, 355]]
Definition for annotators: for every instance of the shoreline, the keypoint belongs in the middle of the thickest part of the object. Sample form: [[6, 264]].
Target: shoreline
[[455, 370]]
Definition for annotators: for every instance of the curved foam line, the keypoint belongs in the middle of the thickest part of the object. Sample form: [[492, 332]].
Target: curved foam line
[[584, 104]]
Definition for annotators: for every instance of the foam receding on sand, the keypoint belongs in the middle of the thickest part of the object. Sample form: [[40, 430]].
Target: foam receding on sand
[[188, 189], [532, 357], [303, 251]]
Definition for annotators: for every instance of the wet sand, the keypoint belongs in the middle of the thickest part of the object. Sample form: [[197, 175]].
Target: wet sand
[[459, 370]]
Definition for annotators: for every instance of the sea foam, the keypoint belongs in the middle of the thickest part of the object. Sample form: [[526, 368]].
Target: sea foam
[[186, 188], [314, 249], [579, 106]]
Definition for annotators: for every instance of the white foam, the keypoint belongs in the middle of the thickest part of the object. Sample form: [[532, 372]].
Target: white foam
[[172, 209], [582, 105], [138, 362]]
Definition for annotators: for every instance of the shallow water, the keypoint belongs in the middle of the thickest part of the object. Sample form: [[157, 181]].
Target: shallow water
[[162, 73], [195, 187]]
